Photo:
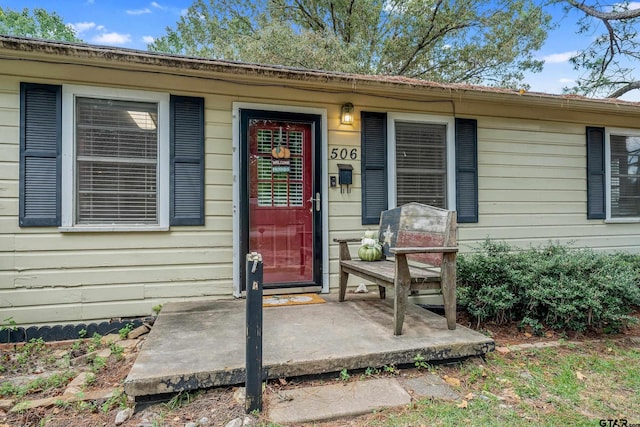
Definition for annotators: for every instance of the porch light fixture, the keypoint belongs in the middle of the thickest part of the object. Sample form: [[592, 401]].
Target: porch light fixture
[[346, 116]]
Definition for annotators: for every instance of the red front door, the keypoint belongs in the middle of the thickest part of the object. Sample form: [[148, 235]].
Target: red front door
[[280, 210]]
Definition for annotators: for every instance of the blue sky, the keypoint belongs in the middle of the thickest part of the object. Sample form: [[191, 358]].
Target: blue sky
[[134, 23]]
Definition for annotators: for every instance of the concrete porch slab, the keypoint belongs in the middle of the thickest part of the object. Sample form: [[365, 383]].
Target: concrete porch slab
[[202, 344]]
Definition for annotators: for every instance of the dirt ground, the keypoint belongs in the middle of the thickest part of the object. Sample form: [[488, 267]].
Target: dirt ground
[[36, 375]]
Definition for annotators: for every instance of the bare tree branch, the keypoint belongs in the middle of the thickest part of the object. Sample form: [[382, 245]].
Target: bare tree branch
[[626, 88], [613, 44], [349, 24], [610, 16], [334, 19], [604, 58], [313, 21], [422, 43]]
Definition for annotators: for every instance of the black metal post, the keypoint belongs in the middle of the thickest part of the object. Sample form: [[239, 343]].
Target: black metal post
[[253, 381]]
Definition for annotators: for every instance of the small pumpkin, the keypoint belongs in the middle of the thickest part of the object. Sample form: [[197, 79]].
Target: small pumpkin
[[369, 242], [280, 152], [370, 253], [371, 249], [371, 234]]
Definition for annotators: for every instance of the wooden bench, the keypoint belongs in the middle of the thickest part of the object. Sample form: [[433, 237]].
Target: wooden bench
[[422, 239]]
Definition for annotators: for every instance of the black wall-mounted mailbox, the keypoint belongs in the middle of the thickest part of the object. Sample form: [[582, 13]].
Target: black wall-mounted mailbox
[[345, 175]]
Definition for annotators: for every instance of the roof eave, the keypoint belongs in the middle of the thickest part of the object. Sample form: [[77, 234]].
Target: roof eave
[[72, 51]]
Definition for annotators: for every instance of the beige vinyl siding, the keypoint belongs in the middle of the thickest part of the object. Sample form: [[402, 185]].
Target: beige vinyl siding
[[51, 277], [532, 189], [9, 155]]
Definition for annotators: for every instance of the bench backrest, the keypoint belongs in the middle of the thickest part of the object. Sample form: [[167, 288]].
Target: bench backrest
[[417, 225]]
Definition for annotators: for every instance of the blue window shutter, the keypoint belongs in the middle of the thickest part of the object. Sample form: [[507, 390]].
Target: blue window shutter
[[40, 155], [374, 166], [467, 170], [596, 180], [187, 161]]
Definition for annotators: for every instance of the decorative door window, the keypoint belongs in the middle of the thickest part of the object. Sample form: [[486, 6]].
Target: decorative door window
[[280, 167]]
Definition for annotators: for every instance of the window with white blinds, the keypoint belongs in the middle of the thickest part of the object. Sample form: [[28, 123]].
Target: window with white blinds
[[116, 155], [421, 163], [625, 176]]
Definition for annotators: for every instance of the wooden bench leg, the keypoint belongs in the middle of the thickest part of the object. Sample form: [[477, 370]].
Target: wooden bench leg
[[344, 278], [401, 289], [449, 289]]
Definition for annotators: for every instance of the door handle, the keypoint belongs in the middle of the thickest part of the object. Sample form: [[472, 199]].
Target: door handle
[[317, 200]]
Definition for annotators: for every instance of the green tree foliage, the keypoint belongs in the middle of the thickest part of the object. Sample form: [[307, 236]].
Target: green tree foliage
[[609, 63], [37, 23], [471, 41]]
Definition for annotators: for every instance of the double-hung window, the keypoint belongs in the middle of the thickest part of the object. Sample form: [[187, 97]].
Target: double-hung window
[[422, 160], [109, 159], [419, 158], [115, 159], [623, 166]]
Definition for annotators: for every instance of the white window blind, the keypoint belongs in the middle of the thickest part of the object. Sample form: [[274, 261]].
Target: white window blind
[[625, 176], [116, 161], [421, 163]]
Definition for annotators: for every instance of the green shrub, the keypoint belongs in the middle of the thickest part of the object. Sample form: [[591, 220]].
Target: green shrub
[[555, 286]]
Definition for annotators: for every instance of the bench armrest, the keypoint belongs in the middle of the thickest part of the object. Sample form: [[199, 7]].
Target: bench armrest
[[344, 251], [425, 250], [348, 240]]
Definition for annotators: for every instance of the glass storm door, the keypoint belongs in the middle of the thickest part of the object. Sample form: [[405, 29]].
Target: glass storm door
[[282, 208]]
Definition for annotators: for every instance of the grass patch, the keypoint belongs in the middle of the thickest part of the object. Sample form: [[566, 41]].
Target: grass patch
[[546, 387]]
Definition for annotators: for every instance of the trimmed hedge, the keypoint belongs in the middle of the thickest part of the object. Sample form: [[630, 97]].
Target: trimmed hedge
[[555, 286]]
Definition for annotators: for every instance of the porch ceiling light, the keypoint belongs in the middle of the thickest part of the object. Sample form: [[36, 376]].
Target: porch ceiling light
[[346, 116]]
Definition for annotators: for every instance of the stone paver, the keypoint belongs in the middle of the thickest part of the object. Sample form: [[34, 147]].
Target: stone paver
[[99, 395], [104, 353], [6, 404], [138, 332], [106, 339], [77, 384], [26, 379], [37, 403], [428, 386], [128, 344], [307, 404]]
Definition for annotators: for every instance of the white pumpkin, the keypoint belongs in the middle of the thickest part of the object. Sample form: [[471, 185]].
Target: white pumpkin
[[371, 234]]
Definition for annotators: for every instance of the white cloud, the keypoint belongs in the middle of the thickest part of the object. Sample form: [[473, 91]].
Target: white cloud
[[148, 39], [81, 27], [158, 6], [566, 80], [112, 39], [90, 1], [100, 27], [184, 12], [558, 58], [138, 11], [634, 5]]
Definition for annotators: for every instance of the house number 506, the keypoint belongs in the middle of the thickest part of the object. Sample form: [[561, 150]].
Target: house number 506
[[344, 153]]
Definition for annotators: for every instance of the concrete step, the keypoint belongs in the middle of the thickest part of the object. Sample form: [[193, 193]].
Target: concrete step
[[350, 399]]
